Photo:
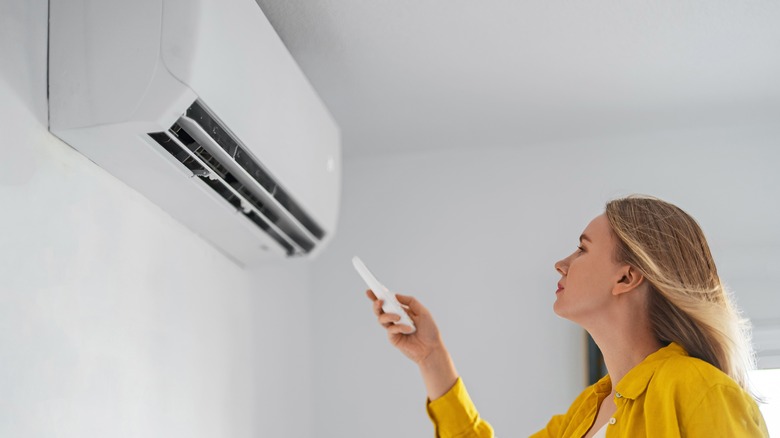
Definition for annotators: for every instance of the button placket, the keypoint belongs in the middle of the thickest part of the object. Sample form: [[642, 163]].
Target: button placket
[[618, 397]]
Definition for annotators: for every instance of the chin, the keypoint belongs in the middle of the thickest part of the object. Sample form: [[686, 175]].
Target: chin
[[562, 311], [558, 309]]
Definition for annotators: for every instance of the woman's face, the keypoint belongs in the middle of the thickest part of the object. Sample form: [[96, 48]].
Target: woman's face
[[588, 275]]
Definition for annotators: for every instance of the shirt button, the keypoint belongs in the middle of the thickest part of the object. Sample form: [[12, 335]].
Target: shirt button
[[618, 395], [612, 420]]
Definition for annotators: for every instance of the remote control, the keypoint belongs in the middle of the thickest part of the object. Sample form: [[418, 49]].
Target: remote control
[[390, 303]]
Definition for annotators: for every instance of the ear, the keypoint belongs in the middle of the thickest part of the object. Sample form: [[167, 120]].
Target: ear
[[629, 278]]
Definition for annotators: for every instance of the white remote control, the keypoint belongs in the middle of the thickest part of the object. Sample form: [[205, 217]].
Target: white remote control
[[390, 302]]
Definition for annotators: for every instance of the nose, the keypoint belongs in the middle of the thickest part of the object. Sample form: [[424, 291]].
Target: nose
[[561, 266]]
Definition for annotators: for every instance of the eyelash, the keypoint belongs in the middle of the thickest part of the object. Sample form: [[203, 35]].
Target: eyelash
[[580, 249]]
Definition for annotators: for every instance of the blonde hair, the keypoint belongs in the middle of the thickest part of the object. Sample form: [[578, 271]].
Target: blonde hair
[[688, 303]]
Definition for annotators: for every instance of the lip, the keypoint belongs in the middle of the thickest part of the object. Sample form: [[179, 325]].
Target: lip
[[560, 288]]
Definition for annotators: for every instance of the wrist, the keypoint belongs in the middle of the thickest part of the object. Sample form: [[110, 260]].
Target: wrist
[[437, 359], [438, 372]]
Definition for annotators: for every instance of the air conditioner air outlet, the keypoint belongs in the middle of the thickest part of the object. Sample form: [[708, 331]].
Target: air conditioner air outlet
[[215, 168], [209, 125]]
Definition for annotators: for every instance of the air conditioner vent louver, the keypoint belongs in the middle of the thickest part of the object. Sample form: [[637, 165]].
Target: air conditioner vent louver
[[200, 115], [208, 149]]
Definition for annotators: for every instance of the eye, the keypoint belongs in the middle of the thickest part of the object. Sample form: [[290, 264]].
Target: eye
[[580, 249]]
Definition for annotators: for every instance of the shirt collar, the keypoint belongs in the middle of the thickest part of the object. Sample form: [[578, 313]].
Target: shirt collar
[[635, 382]]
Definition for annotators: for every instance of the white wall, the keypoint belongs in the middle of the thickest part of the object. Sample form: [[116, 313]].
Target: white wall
[[114, 319], [474, 235]]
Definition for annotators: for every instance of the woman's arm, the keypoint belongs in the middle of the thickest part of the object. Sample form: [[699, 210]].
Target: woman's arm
[[424, 347], [438, 373], [449, 407]]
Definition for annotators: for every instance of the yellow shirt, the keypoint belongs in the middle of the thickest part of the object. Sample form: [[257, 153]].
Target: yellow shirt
[[669, 394]]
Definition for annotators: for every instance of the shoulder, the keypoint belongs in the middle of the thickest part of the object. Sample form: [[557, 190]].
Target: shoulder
[[691, 372], [705, 398], [692, 381]]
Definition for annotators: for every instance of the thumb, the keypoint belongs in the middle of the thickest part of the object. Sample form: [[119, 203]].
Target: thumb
[[412, 302]]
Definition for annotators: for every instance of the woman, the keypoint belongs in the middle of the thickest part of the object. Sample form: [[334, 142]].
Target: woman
[[643, 283]]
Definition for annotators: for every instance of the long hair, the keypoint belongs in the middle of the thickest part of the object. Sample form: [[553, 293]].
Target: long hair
[[688, 303]]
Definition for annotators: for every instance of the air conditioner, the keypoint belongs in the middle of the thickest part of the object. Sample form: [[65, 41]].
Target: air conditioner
[[198, 105]]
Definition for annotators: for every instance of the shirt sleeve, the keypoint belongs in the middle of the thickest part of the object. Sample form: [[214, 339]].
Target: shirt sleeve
[[455, 416], [726, 411]]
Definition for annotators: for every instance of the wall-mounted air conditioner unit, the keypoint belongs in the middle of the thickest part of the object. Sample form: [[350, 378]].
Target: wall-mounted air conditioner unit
[[198, 105]]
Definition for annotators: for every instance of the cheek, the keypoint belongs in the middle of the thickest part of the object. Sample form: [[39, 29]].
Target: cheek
[[588, 275]]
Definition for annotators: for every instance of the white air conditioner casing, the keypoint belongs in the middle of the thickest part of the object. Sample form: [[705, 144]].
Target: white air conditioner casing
[[198, 105]]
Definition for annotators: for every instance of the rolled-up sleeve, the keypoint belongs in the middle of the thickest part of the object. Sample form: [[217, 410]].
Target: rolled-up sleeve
[[455, 416]]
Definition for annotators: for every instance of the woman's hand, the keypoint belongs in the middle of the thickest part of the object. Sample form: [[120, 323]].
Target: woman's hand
[[424, 347], [419, 345]]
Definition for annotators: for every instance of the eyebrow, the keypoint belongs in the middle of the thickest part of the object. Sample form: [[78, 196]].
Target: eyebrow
[[584, 237]]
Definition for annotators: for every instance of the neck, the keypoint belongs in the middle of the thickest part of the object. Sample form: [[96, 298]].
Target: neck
[[620, 357], [625, 341]]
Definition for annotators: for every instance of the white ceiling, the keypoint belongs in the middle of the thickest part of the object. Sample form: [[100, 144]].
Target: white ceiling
[[406, 74]]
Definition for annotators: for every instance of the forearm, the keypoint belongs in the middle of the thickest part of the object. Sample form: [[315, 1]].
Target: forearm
[[438, 373]]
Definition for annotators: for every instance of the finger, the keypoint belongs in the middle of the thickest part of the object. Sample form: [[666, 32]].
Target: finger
[[388, 318], [406, 299], [370, 294], [399, 329], [411, 303], [378, 308]]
